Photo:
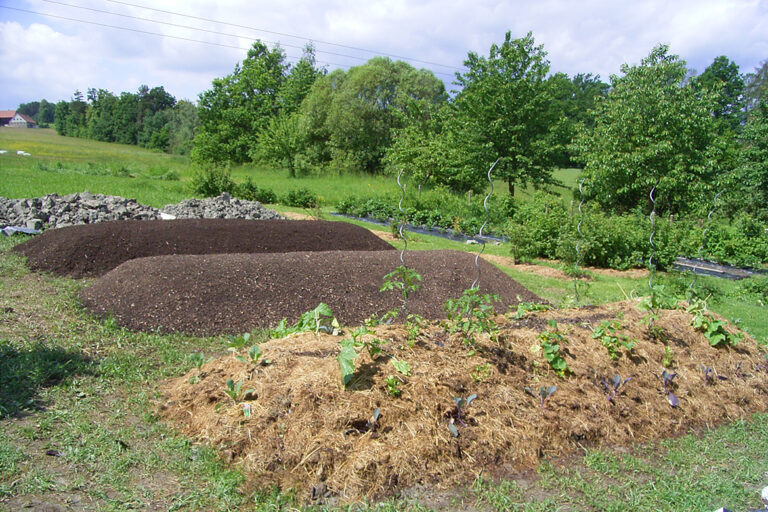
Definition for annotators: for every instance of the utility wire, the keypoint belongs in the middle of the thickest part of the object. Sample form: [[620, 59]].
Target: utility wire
[[196, 28], [223, 45], [284, 34]]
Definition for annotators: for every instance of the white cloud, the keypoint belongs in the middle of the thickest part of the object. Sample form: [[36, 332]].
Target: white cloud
[[51, 57]]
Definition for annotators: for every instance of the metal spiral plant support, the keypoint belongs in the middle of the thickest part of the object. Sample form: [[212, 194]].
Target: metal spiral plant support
[[476, 284], [700, 252], [402, 218], [651, 264], [579, 256]]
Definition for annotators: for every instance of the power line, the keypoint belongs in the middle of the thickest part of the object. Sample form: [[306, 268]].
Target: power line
[[223, 45], [195, 28], [284, 34]]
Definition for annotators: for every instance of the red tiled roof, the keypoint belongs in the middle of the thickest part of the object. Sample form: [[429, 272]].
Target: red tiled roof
[[27, 118], [7, 114]]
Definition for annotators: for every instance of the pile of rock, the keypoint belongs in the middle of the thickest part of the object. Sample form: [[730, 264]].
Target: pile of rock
[[54, 211], [222, 207]]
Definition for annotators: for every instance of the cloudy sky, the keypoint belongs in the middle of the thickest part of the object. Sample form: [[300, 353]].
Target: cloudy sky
[[47, 50]]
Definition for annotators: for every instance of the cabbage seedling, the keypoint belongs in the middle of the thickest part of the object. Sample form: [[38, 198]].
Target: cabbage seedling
[[234, 389], [544, 394], [613, 388]]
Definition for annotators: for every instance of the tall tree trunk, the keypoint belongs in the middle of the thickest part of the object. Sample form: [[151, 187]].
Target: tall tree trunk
[[511, 184]]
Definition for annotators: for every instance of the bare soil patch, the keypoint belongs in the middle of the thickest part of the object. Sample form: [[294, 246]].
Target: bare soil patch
[[306, 431], [235, 293], [94, 249]]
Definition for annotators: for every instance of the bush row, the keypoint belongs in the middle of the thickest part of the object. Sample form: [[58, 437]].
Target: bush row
[[212, 181], [544, 228], [435, 208]]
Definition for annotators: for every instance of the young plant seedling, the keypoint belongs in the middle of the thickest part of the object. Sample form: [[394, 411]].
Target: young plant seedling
[[197, 359], [237, 343], [606, 333], [461, 407], [613, 387], [710, 375], [544, 394], [668, 358], [254, 354], [404, 279], [320, 319], [234, 390], [666, 378], [413, 324], [471, 313], [348, 353], [401, 366], [526, 307], [392, 384], [550, 342]]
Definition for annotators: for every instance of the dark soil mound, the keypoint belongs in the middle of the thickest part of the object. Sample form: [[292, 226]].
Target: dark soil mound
[[94, 249], [235, 293], [300, 428]]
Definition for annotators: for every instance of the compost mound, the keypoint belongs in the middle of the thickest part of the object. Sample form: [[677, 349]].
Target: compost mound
[[235, 293], [295, 426], [94, 249]]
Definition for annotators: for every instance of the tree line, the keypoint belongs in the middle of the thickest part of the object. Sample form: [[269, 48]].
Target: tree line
[[655, 124], [151, 118]]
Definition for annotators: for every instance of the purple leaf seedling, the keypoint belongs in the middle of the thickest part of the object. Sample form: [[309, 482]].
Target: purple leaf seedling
[[667, 378], [710, 375], [613, 387], [544, 394]]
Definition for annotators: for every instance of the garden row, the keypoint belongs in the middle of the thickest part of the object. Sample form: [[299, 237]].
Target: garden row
[[544, 227]]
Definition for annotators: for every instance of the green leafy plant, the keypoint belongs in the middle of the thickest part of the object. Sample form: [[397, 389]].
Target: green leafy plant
[[606, 333], [197, 359], [481, 372], [392, 384], [320, 319], [254, 354], [524, 308], [237, 343], [471, 313], [713, 330], [401, 366], [551, 341], [413, 325], [668, 359], [234, 390], [349, 348], [404, 279]]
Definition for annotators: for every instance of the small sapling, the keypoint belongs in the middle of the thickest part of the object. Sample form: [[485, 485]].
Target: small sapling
[[544, 394], [613, 387]]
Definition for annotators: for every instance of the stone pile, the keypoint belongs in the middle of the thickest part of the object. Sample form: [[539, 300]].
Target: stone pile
[[54, 211], [222, 207]]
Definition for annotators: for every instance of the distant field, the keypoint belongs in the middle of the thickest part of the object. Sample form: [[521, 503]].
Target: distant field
[[65, 165]]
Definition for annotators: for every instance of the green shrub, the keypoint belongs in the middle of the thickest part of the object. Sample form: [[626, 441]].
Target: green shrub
[[211, 181], [301, 198], [252, 192]]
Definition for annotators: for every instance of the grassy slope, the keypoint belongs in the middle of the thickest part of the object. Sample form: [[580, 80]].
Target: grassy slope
[[98, 383]]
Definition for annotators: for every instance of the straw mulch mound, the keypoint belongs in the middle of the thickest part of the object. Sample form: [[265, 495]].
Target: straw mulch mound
[[94, 249], [306, 431], [235, 293]]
